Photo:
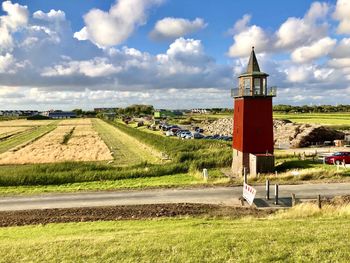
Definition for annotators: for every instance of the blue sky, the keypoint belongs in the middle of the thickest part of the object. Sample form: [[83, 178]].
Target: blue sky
[[169, 53]]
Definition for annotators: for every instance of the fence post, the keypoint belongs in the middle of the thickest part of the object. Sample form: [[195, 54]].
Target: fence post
[[245, 175], [276, 194], [267, 189], [319, 204], [293, 200]]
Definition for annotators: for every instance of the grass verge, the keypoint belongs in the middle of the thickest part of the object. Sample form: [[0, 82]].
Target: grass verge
[[181, 240], [174, 180]]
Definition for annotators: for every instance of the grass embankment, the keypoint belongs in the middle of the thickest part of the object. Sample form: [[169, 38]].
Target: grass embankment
[[125, 149], [25, 137], [281, 238]]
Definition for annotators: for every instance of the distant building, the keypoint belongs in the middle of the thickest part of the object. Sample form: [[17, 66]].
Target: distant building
[[59, 114], [17, 113], [200, 111]]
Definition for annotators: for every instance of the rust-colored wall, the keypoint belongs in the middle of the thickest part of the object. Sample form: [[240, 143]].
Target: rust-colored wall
[[253, 125]]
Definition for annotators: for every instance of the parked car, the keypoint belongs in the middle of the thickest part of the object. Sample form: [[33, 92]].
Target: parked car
[[338, 158], [169, 133], [199, 130], [178, 133], [185, 133], [197, 135]]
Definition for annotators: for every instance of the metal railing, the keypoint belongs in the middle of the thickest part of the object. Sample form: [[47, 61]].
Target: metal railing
[[241, 92]]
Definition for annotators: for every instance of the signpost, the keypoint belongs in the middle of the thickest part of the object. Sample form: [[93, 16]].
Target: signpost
[[248, 193]]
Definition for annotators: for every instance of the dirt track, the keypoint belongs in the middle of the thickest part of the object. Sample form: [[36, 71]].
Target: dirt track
[[32, 217]]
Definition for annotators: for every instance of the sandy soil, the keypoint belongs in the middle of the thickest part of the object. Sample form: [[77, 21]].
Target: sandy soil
[[84, 145]]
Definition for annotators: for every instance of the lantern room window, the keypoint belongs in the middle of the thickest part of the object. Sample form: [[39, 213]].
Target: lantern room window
[[257, 87]]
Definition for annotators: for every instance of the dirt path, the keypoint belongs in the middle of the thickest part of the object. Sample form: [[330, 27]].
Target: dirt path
[[33, 217]]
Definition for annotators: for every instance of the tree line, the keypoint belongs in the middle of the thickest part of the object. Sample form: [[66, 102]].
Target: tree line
[[311, 108]]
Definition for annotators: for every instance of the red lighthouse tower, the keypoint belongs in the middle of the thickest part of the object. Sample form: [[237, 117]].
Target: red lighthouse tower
[[253, 125]]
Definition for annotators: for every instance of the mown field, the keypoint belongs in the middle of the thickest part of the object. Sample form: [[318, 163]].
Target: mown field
[[285, 237]]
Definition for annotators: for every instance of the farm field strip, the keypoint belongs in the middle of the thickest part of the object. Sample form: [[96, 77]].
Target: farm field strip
[[26, 123], [6, 132], [12, 130], [84, 144], [125, 149], [24, 137]]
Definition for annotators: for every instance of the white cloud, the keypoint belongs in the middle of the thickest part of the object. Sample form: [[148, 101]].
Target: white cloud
[[323, 73], [106, 29], [6, 41], [183, 65], [302, 31], [316, 50], [169, 27], [53, 15], [299, 73], [97, 67], [342, 49], [17, 17], [317, 10], [241, 24], [246, 37], [342, 13], [6, 62], [29, 42], [339, 62], [82, 34], [50, 35]]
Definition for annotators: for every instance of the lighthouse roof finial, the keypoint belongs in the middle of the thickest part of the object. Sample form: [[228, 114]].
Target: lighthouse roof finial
[[253, 65]]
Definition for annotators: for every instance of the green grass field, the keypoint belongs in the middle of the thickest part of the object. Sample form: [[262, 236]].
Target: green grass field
[[317, 118], [24, 137], [126, 150], [167, 181], [312, 239]]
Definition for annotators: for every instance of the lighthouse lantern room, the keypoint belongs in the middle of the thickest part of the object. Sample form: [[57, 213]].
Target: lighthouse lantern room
[[253, 125]]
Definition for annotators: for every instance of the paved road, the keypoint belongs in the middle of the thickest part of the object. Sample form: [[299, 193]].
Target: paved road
[[217, 195]]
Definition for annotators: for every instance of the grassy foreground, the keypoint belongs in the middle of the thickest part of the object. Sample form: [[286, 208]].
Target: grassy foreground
[[181, 240]]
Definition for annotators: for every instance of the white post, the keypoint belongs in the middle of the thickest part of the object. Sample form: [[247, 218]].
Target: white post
[[205, 174]]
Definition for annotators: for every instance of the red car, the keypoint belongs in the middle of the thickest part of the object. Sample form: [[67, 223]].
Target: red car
[[338, 158]]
